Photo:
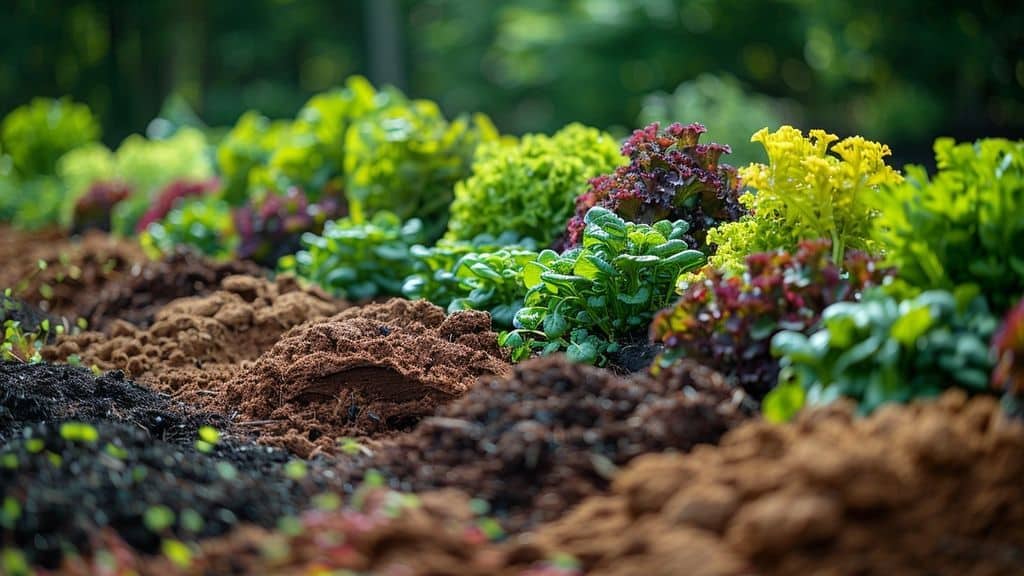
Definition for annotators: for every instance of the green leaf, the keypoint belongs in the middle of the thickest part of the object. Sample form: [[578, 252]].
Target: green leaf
[[783, 402], [532, 274], [912, 325], [555, 325], [581, 353]]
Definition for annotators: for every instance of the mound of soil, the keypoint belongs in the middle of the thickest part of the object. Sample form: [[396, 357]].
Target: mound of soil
[[368, 371], [535, 444], [195, 344], [57, 274], [137, 297], [932, 488], [68, 488]]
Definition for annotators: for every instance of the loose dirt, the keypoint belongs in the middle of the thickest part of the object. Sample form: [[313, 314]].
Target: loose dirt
[[196, 344], [57, 273], [63, 489], [369, 371], [537, 443], [927, 489]]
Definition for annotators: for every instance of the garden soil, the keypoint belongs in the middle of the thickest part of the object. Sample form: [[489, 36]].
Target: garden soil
[[196, 344], [69, 489], [537, 443], [369, 371], [930, 489]]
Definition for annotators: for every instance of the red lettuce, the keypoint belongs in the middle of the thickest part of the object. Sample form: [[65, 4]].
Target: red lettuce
[[92, 209], [171, 194]]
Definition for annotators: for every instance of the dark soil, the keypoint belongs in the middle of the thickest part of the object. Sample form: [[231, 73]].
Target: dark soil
[[67, 490], [28, 317], [930, 489], [369, 371], [138, 296], [537, 443]]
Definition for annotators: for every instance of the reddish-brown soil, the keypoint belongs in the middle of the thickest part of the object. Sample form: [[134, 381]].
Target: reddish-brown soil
[[136, 297], [195, 344], [368, 371], [535, 444], [929, 489], [57, 273]]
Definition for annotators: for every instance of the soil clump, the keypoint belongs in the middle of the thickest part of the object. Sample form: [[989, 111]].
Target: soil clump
[[537, 443], [195, 344], [137, 297], [369, 371], [932, 488]]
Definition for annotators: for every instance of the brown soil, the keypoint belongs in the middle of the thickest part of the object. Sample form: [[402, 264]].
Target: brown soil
[[74, 268], [927, 489], [366, 372], [537, 443], [137, 297], [196, 343]]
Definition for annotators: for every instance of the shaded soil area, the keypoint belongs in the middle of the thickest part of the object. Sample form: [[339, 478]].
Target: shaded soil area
[[194, 344], [63, 486], [57, 274], [927, 489], [369, 371], [537, 443], [28, 317], [136, 297]]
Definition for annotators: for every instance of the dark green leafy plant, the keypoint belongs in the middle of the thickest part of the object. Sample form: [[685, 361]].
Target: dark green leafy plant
[[586, 299], [885, 350], [358, 260], [36, 135], [485, 274], [247, 145], [203, 223], [529, 188], [965, 225], [726, 321]]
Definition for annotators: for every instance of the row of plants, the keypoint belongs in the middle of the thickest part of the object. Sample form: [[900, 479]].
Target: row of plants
[[822, 272]]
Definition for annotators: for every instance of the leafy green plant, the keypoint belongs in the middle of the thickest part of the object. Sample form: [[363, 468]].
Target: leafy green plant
[[405, 158], [726, 321], [485, 274], [247, 145], [963, 226], [204, 223], [730, 113], [529, 188], [670, 175], [884, 349], [24, 335], [358, 260], [34, 203], [36, 135], [584, 300], [809, 189]]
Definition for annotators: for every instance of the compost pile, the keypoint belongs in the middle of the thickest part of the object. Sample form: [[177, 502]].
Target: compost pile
[[194, 343], [368, 371], [86, 454], [535, 444], [933, 488]]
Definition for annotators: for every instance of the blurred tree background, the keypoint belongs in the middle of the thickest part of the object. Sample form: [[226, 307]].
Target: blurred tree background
[[900, 71]]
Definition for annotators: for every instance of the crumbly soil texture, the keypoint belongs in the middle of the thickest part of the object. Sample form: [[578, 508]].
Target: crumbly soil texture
[[537, 443], [370, 371], [139, 473], [930, 489]]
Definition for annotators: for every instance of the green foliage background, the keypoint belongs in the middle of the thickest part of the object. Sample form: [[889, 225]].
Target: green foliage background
[[901, 72]]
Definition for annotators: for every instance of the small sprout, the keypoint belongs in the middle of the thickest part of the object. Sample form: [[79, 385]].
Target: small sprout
[[82, 323], [8, 292], [14, 563], [55, 459], [208, 438], [226, 470], [491, 528], [35, 445], [191, 520], [479, 506], [10, 513], [78, 432], [116, 451], [373, 479], [350, 446], [74, 359], [328, 501], [41, 264], [46, 291], [9, 461], [295, 469], [289, 526], [158, 518], [139, 474], [177, 552], [95, 370]]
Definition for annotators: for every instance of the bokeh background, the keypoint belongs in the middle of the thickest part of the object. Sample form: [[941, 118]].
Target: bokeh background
[[899, 71]]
